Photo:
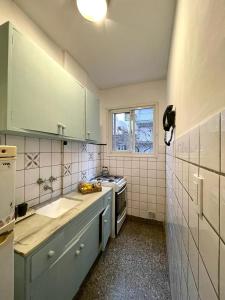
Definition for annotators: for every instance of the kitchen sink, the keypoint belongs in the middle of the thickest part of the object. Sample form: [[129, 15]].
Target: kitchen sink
[[58, 207]]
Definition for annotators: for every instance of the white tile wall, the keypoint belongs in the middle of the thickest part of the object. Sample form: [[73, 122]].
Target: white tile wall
[[209, 249], [211, 197], [222, 207], [43, 158], [202, 253], [210, 143], [223, 142], [222, 271], [146, 182], [80, 162], [206, 290]]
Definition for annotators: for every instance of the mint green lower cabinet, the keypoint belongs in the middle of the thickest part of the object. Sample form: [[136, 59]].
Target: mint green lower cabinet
[[50, 284], [63, 279], [58, 267], [106, 225], [89, 246]]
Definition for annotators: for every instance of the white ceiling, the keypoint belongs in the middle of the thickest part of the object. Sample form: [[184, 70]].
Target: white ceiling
[[131, 46]]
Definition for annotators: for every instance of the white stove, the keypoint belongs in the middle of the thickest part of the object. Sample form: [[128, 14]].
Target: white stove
[[114, 181], [119, 204]]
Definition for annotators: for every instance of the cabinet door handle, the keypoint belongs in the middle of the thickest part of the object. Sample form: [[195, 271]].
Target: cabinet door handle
[[77, 252], [59, 125], [105, 221], [51, 253], [81, 246]]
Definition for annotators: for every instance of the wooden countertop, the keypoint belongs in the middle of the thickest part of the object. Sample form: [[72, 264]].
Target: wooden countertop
[[33, 231]]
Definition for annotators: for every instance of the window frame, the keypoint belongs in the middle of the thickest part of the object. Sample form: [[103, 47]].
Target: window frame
[[130, 153]]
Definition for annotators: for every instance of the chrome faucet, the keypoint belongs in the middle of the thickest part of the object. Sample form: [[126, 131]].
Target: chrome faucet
[[47, 187]]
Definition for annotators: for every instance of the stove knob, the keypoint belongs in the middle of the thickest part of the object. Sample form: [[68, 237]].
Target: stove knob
[[105, 221], [77, 252]]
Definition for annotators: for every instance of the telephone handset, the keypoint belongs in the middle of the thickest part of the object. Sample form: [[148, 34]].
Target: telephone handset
[[169, 122]]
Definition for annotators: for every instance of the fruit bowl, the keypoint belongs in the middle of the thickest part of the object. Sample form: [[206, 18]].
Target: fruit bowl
[[88, 187]]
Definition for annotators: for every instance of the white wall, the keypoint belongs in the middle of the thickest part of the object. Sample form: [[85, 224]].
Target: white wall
[[9, 11], [197, 67], [131, 95], [196, 86], [145, 175]]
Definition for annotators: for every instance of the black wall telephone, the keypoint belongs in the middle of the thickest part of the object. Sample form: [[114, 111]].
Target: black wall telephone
[[169, 122]]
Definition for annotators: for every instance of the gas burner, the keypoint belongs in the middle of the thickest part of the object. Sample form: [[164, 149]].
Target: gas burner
[[109, 178]]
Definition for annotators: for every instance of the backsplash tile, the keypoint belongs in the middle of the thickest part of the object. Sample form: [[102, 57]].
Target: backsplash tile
[[81, 162], [31, 145], [146, 182], [67, 162], [18, 141], [72, 162], [32, 160], [67, 169], [206, 234]]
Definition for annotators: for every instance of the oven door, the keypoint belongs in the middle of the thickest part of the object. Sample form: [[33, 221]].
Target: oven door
[[121, 206]]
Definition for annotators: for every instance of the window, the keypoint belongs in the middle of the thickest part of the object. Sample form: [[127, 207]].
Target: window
[[133, 130]]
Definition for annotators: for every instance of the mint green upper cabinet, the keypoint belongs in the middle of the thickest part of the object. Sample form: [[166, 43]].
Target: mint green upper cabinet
[[41, 95], [92, 117], [73, 108]]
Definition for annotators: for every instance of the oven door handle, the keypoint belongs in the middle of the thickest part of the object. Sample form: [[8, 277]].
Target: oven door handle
[[120, 192]]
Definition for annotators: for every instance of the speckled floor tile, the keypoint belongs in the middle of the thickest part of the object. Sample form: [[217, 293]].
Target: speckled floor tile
[[134, 266]]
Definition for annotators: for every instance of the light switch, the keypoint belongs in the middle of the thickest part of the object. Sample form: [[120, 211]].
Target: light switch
[[198, 180]]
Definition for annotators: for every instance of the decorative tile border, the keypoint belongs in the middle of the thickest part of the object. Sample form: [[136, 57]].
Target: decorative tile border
[[67, 169], [32, 160]]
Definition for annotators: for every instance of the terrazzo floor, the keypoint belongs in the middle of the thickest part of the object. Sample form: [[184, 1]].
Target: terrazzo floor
[[134, 266]]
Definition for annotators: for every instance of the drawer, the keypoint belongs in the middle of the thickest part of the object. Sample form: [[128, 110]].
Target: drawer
[[73, 228], [41, 260]]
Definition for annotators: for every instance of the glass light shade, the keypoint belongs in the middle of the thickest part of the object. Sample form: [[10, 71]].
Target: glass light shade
[[92, 10]]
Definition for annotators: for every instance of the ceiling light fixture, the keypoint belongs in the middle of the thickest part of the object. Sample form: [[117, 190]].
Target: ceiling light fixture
[[93, 10]]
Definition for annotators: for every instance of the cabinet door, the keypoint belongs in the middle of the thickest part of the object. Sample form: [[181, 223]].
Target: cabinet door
[[33, 88], [89, 244], [42, 93], [64, 277], [92, 117], [73, 108], [61, 280], [106, 226]]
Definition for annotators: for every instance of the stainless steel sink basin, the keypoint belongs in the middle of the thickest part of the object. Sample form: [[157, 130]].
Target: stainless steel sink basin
[[58, 208]]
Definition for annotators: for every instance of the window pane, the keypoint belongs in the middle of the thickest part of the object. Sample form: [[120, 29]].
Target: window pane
[[144, 131], [121, 131]]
